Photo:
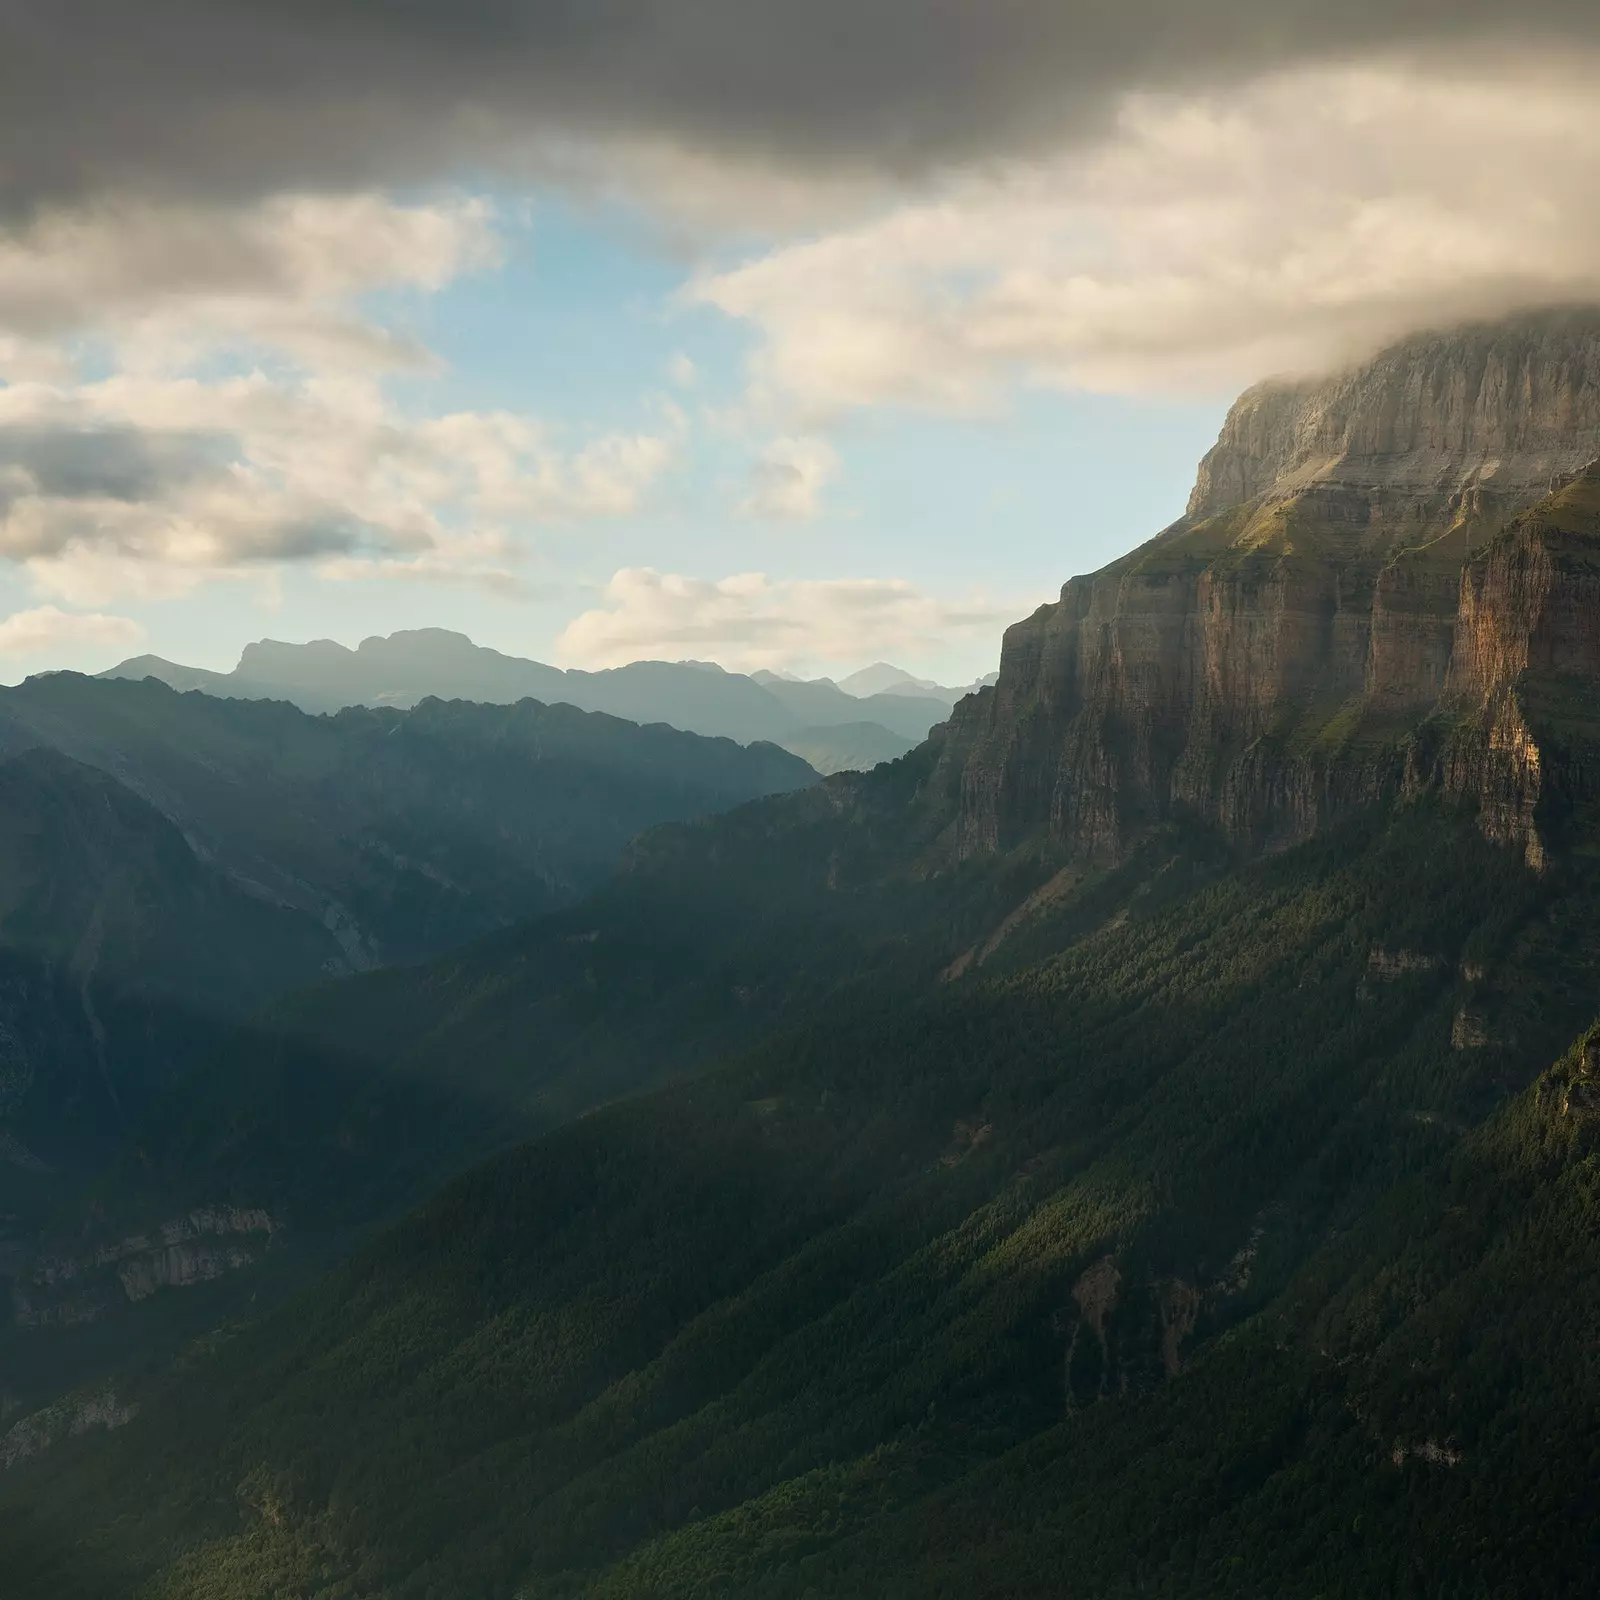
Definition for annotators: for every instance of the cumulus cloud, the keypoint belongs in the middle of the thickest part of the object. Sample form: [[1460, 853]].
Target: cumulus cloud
[[239, 97], [1208, 241], [141, 484], [165, 281], [47, 630], [788, 480], [951, 200], [245, 421], [751, 620]]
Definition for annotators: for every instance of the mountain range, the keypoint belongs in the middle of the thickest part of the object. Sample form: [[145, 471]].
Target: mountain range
[[879, 716], [170, 862], [1143, 1141]]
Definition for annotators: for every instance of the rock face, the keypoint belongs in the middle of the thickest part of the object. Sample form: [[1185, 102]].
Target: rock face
[[202, 1245], [1414, 540], [1478, 417], [67, 1419]]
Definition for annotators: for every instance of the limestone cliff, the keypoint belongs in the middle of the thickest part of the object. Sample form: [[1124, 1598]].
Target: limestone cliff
[[1486, 416], [68, 1418], [62, 1290], [1361, 559]]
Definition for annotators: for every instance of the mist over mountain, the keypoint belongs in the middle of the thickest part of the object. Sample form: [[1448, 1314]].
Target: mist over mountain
[[882, 678], [698, 697], [1141, 1141], [169, 862]]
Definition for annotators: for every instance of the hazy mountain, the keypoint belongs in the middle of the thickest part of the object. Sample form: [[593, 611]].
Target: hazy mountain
[[820, 704], [124, 952], [1143, 1141], [404, 832], [881, 678], [848, 747], [169, 861], [405, 668]]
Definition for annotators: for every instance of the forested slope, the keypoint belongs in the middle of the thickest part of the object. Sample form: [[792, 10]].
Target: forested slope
[[805, 1323], [169, 865], [1114, 1149]]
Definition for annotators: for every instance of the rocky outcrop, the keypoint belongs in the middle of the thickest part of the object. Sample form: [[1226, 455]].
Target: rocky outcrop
[[67, 1419], [62, 1290], [1474, 422], [1410, 541]]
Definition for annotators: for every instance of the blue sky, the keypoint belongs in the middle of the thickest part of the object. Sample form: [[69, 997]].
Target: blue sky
[[707, 330], [583, 323]]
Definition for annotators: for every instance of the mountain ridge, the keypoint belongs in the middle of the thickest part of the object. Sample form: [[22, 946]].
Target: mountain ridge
[[1114, 1149], [1265, 666], [403, 668]]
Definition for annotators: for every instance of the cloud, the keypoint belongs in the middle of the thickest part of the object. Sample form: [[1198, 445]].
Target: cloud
[[45, 630], [165, 281], [239, 418], [788, 480], [141, 484], [752, 620], [241, 98], [100, 464], [477, 561], [1208, 240]]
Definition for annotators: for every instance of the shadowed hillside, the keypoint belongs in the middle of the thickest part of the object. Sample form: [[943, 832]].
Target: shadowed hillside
[[1113, 1150]]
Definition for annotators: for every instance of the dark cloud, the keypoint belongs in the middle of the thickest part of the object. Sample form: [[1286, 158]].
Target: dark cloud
[[68, 475], [127, 464], [231, 98]]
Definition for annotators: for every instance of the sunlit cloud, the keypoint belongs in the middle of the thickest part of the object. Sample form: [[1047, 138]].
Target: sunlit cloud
[[47, 631], [752, 620], [167, 284], [788, 480], [246, 419], [1210, 240]]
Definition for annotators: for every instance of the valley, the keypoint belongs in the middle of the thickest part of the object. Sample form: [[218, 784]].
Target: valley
[[1140, 1140]]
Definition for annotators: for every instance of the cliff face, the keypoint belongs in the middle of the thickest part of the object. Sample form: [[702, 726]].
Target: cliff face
[[65, 1290], [1408, 541], [1488, 415]]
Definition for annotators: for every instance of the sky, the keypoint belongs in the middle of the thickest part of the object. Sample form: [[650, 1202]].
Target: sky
[[785, 337]]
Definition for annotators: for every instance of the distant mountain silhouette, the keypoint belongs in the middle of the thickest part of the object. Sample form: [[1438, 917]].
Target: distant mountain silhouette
[[698, 697], [170, 860]]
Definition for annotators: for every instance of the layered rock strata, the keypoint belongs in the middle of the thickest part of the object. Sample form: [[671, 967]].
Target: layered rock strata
[[1405, 545], [202, 1245]]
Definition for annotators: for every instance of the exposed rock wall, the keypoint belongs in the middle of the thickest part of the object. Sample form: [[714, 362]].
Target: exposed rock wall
[[1477, 419], [1341, 576], [67, 1419], [204, 1244]]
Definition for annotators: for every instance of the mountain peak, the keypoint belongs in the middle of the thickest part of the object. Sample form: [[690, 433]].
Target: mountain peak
[[1414, 540], [1494, 410], [882, 678], [432, 641], [274, 658]]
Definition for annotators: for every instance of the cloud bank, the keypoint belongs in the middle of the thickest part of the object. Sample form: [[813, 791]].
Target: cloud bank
[[249, 97], [240, 419], [1207, 241], [933, 205], [148, 485], [47, 630], [751, 621]]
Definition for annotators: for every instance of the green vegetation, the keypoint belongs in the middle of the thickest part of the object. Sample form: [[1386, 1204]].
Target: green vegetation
[[1127, 1263], [850, 747], [170, 863], [824, 1214], [405, 833]]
